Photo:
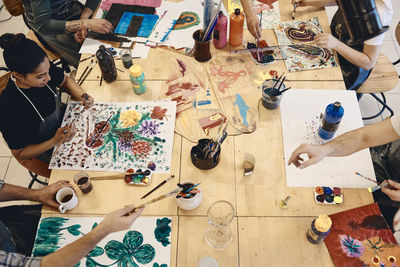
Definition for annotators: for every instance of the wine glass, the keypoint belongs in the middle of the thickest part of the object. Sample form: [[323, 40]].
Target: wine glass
[[220, 215]]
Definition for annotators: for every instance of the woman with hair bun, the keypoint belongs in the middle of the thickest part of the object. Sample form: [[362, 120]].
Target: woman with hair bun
[[30, 105]]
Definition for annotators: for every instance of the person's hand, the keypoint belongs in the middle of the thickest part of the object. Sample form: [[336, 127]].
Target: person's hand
[[80, 35], [326, 40], [97, 25], [119, 220], [301, 3], [65, 134], [87, 100], [253, 25], [46, 195], [315, 154], [394, 192]]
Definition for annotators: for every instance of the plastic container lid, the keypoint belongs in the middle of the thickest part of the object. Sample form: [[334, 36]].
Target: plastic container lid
[[237, 11], [135, 70], [207, 262], [323, 223]]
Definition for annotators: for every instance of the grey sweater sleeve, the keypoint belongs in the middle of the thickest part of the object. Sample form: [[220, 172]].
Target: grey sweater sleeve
[[41, 12]]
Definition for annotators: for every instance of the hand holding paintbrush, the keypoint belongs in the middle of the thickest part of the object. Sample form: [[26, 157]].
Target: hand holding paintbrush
[[64, 134]]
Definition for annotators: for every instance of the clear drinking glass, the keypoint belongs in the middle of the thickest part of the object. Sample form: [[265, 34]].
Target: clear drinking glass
[[220, 214]]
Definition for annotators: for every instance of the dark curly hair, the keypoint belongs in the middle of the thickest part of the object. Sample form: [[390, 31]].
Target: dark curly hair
[[20, 54]]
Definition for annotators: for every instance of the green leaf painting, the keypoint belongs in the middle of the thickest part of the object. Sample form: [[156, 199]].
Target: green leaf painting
[[145, 244]]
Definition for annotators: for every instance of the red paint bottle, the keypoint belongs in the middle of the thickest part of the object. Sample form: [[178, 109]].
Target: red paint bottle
[[219, 35], [236, 28]]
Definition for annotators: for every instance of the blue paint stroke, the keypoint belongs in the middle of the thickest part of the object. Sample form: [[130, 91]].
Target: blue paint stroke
[[243, 108], [146, 27], [169, 31]]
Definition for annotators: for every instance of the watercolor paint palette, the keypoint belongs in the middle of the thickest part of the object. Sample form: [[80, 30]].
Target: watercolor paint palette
[[328, 195], [139, 177]]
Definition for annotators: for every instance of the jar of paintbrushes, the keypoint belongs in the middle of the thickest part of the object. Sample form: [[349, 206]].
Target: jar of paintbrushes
[[272, 91]]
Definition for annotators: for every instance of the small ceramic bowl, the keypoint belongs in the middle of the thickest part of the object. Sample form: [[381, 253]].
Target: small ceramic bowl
[[190, 203]]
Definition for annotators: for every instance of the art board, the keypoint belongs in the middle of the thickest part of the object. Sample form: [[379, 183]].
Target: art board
[[118, 137], [300, 115], [146, 243], [360, 237], [298, 47], [106, 4], [136, 24]]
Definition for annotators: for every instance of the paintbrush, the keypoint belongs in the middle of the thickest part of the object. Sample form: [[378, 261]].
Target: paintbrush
[[110, 177], [84, 72], [212, 22], [369, 179], [158, 186], [101, 130], [89, 71], [62, 139], [258, 39], [294, 10], [280, 85], [174, 192]]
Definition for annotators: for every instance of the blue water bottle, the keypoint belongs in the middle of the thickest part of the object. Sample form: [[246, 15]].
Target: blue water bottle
[[331, 120]]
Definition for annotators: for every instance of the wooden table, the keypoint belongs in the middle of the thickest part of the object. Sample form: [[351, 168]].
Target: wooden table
[[263, 233]]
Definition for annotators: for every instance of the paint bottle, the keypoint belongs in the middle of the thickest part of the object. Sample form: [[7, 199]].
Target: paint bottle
[[236, 28], [331, 120], [137, 79], [219, 35], [106, 63], [319, 229]]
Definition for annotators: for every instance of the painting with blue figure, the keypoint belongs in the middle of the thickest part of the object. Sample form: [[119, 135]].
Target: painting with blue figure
[[136, 246], [243, 108], [129, 24]]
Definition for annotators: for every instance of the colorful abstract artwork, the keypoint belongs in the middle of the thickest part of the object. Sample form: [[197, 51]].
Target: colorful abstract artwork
[[136, 24], [361, 237], [298, 47], [146, 243], [186, 20], [118, 136]]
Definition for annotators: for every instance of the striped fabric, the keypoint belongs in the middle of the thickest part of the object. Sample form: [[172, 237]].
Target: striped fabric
[[18, 260]]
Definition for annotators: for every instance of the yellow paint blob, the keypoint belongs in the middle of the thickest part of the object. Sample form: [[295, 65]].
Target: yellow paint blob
[[129, 118], [338, 199]]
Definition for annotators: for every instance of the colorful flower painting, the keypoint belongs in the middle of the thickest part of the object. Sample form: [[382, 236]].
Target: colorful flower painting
[[298, 47], [136, 247], [118, 136], [361, 237]]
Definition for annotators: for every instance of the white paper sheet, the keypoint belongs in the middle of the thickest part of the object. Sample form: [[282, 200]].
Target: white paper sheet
[[300, 111], [90, 46]]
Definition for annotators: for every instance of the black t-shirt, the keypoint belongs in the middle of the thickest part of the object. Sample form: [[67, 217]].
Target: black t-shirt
[[19, 122]]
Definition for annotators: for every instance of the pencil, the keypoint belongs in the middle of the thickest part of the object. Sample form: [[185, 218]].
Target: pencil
[[158, 186]]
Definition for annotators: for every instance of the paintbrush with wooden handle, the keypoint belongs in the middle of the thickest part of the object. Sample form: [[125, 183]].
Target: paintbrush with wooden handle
[[110, 177]]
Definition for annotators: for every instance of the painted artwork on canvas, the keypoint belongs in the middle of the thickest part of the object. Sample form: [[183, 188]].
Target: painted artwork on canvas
[[146, 243], [136, 24], [361, 237], [118, 136], [298, 47]]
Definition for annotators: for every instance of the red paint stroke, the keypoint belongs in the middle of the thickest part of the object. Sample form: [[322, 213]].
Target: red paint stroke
[[303, 33], [183, 94], [268, 2], [158, 113], [182, 65], [230, 76], [97, 134], [141, 149]]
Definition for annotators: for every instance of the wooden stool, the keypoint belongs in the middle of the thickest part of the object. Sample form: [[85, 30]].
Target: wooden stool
[[383, 78]]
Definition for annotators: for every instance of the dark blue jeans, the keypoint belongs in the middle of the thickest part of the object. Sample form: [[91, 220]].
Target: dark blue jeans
[[6, 242]]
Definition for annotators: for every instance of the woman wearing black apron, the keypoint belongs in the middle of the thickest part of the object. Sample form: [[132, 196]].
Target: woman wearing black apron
[[30, 105], [356, 61]]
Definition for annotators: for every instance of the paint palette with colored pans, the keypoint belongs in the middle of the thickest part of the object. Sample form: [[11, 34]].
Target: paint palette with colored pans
[[266, 57], [138, 177], [328, 195]]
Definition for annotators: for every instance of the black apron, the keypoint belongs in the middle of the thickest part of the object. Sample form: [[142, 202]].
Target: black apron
[[353, 76], [50, 124]]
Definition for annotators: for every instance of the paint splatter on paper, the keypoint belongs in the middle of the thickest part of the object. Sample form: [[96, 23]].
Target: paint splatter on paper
[[186, 20], [298, 47], [138, 246], [225, 77], [361, 237], [118, 136]]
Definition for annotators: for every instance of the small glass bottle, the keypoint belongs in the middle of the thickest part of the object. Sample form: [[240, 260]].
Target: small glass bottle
[[331, 120], [219, 34], [319, 229], [106, 63], [137, 79]]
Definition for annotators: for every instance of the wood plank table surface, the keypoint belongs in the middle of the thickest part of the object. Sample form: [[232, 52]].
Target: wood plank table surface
[[263, 233]]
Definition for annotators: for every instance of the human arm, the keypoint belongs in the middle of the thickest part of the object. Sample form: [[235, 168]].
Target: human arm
[[80, 35], [63, 134], [71, 254], [44, 195], [365, 59], [345, 144], [320, 3], [252, 21], [76, 92]]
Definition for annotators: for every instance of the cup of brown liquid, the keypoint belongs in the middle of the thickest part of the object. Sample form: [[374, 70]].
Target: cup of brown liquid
[[82, 180], [201, 48], [67, 199]]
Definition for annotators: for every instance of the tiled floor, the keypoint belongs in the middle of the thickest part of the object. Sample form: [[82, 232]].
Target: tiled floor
[[13, 173]]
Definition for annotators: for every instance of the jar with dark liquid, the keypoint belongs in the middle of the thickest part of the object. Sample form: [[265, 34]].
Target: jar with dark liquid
[[106, 63]]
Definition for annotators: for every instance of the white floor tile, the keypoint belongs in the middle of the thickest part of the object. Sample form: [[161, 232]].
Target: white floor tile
[[393, 101], [18, 175], [4, 150], [389, 49], [4, 162], [369, 107]]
